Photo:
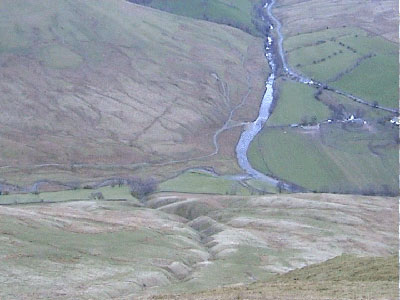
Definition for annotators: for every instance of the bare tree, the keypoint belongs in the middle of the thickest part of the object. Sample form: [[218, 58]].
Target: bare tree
[[140, 188]]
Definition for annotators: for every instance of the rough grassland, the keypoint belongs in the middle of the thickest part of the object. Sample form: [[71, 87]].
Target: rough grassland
[[344, 277], [146, 86], [184, 242], [379, 18]]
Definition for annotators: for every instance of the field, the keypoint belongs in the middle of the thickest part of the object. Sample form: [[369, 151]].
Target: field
[[330, 158], [134, 91], [238, 14], [109, 193], [351, 60], [185, 242], [203, 183], [297, 103], [358, 55]]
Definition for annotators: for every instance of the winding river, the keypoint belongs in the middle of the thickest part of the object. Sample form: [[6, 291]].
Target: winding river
[[253, 128], [275, 52]]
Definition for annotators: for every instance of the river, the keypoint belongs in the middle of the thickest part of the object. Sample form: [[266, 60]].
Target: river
[[274, 52], [252, 129]]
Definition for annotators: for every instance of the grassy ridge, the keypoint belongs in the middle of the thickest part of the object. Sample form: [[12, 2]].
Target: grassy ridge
[[344, 277], [348, 268]]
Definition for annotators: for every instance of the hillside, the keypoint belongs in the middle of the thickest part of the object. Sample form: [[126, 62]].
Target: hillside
[[344, 277], [181, 243], [311, 138], [202, 149], [90, 89], [377, 17], [242, 14]]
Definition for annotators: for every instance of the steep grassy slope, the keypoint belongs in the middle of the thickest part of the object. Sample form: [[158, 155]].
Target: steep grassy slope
[[344, 277], [95, 88], [181, 242], [378, 17], [240, 13]]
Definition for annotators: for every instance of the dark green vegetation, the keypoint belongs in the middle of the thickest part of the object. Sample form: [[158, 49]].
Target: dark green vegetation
[[241, 14], [186, 242]]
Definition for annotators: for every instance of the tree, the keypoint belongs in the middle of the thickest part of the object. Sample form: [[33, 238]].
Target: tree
[[140, 188], [234, 189], [304, 120], [313, 120], [280, 186], [143, 2], [97, 196]]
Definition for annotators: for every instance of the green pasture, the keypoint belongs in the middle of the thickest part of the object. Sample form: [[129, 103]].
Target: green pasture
[[109, 193], [376, 79], [357, 62], [202, 183], [297, 102], [330, 159]]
